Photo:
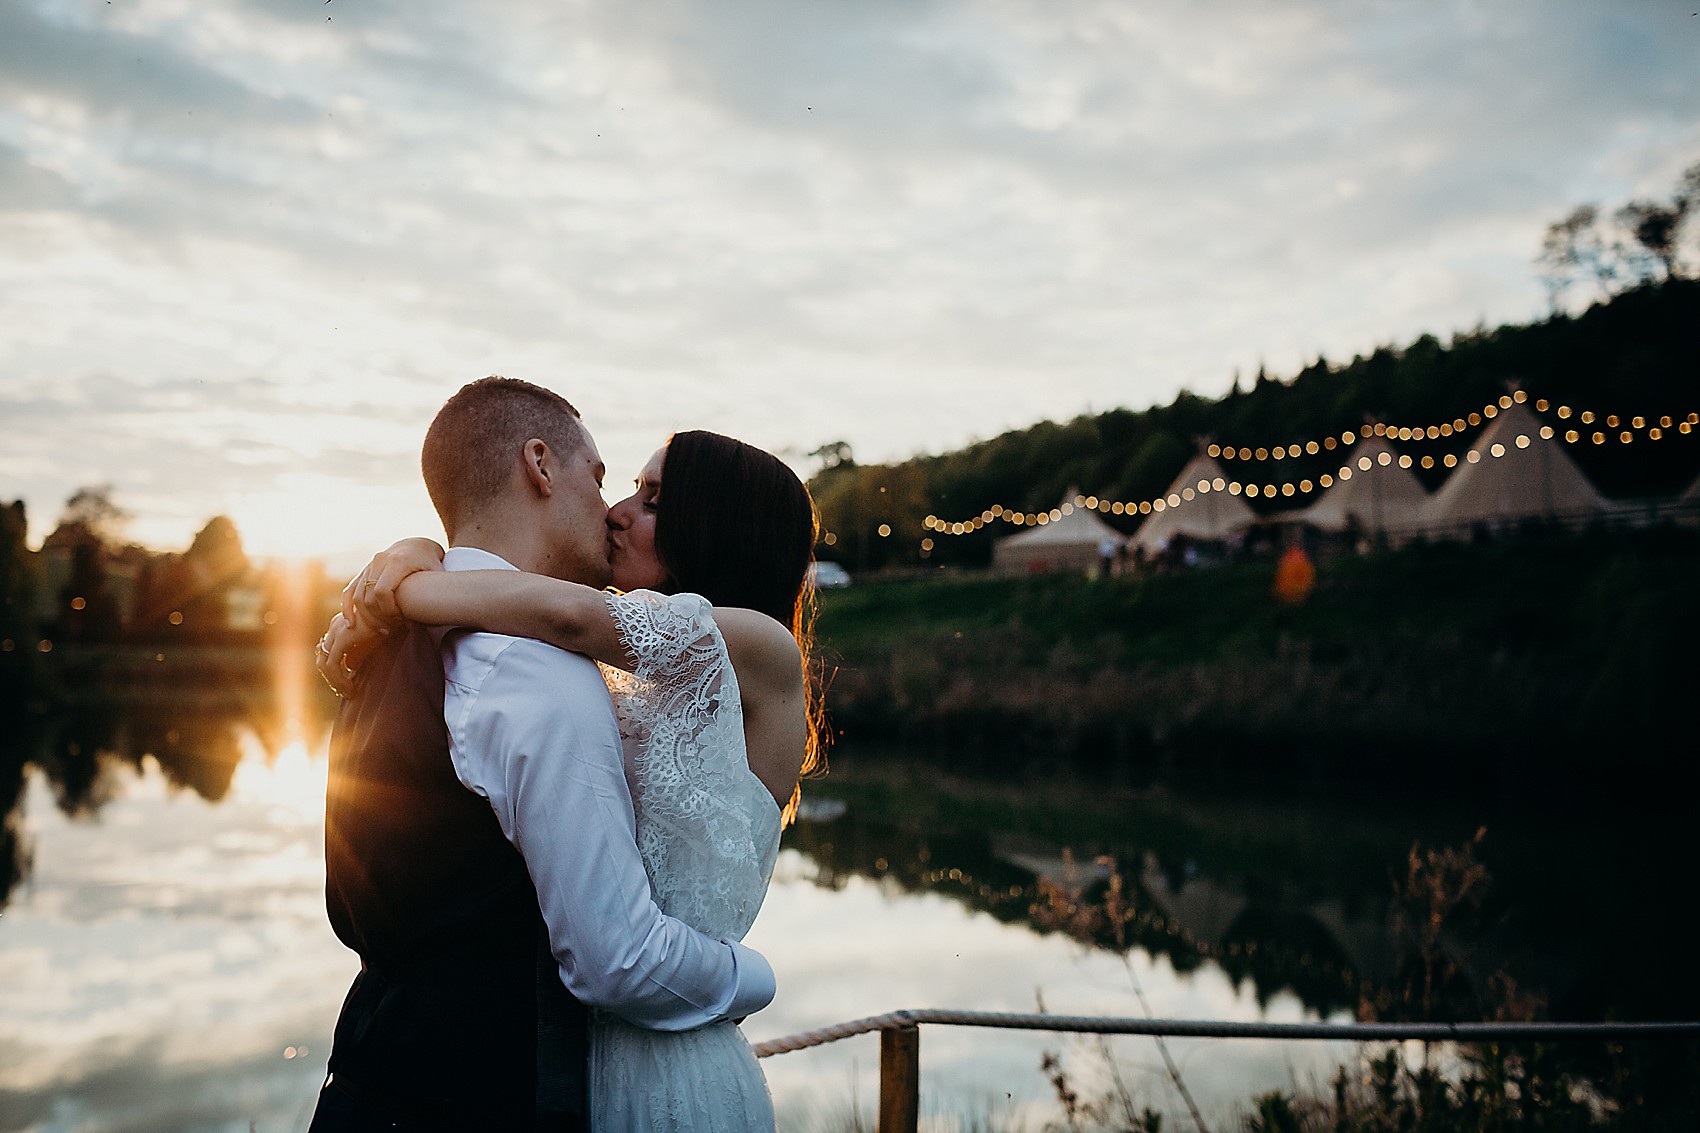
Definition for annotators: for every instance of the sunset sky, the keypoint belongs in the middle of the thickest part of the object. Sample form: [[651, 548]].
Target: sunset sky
[[247, 247]]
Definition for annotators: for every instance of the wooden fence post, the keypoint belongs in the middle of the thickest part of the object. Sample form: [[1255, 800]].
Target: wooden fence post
[[900, 1080]]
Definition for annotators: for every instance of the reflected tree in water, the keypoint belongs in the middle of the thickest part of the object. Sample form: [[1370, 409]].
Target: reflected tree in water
[[86, 755]]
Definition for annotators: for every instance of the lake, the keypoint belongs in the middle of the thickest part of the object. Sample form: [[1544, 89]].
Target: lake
[[167, 965]]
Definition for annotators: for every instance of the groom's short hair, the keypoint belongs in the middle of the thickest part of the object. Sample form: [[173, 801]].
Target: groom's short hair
[[472, 443]]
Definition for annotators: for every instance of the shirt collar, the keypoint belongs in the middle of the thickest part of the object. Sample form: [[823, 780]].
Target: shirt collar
[[474, 558]]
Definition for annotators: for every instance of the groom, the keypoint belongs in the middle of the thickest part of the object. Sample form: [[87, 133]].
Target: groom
[[478, 866]]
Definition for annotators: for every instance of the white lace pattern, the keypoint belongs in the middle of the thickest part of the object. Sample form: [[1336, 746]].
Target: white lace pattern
[[708, 832]]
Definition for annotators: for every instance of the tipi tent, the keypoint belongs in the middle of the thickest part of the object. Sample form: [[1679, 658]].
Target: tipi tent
[[1076, 540], [1516, 475], [1377, 499], [1205, 513]]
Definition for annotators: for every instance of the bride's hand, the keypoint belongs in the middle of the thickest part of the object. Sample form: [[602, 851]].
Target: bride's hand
[[370, 595], [341, 650]]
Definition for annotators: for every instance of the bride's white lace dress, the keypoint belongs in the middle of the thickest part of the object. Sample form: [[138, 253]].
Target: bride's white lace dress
[[708, 831]]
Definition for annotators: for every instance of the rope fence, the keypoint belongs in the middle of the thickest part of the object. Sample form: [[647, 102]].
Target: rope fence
[[899, 1107]]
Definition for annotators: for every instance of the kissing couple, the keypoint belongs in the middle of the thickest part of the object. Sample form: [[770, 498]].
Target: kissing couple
[[553, 809]]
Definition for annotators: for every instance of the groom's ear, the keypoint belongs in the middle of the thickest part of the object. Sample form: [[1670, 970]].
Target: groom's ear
[[539, 467]]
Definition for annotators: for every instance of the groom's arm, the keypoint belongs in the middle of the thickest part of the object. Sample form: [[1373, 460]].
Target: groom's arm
[[532, 730]]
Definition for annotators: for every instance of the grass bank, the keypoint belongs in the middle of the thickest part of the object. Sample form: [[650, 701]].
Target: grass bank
[[1546, 666]]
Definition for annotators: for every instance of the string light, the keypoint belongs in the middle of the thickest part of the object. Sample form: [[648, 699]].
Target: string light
[[1655, 429]]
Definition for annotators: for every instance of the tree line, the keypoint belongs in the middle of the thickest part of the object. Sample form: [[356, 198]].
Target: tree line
[[1630, 353], [89, 585]]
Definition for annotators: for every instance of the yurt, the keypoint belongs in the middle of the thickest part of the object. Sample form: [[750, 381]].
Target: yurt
[[1076, 540], [1512, 474], [1375, 496], [1204, 511]]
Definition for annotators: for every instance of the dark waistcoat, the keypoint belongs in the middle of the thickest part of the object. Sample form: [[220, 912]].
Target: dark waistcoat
[[456, 982]]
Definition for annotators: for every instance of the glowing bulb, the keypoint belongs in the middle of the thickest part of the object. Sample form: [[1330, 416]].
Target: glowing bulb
[[1363, 463], [1404, 460], [1428, 462], [1571, 436], [1450, 460], [1498, 450], [1384, 459], [1522, 440]]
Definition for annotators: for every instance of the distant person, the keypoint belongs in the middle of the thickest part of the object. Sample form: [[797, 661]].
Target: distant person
[[1295, 575], [713, 705]]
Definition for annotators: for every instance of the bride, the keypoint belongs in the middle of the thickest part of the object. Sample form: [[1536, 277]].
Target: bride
[[706, 654]]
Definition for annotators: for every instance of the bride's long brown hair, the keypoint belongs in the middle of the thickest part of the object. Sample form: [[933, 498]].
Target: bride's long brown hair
[[737, 526]]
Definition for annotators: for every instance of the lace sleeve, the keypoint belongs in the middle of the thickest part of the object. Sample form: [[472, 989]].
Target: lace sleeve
[[706, 827], [669, 636]]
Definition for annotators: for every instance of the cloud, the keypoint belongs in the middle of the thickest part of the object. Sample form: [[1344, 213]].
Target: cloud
[[902, 224]]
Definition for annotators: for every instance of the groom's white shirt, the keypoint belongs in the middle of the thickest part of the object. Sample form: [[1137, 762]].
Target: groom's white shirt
[[532, 729]]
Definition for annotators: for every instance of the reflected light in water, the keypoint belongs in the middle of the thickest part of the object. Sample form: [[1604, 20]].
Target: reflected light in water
[[293, 780]]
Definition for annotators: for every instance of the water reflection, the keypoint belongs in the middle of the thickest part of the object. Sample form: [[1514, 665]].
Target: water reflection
[[110, 711], [1295, 895], [177, 950]]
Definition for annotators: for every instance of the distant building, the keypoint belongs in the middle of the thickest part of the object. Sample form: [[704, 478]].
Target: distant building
[[1077, 540], [1377, 500], [1516, 476], [1197, 508]]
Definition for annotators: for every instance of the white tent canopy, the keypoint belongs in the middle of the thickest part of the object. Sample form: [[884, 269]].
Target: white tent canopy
[[1077, 539], [1517, 476], [1205, 512], [1382, 497]]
